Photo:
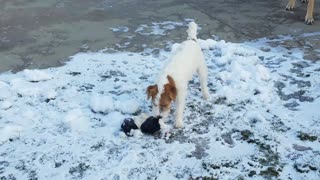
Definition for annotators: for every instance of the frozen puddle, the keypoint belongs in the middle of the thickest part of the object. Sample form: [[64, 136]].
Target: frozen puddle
[[262, 119]]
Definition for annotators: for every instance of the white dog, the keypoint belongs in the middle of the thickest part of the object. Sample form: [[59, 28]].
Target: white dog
[[172, 85]]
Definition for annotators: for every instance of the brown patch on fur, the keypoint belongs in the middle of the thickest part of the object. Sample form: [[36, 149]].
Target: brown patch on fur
[[170, 88], [152, 91], [169, 94]]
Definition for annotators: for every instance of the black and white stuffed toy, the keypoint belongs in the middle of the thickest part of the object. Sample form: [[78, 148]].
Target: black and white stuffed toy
[[151, 125], [147, 125], [127, 125]]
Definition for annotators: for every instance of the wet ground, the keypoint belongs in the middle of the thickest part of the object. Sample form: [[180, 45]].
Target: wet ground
[[44, 33]]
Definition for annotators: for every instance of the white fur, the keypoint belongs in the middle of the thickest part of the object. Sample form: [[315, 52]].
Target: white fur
[[140, 119], [186, 60], [192, 31]]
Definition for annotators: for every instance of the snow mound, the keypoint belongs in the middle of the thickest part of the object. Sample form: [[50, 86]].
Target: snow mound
[[36, 75], [101, 104], [6, 105], [5, 91], [9, 131], [77, 120], [130, 106]]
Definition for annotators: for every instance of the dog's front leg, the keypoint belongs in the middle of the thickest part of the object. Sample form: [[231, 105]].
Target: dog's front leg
[[309, 16], [180, 103], [291, 5]]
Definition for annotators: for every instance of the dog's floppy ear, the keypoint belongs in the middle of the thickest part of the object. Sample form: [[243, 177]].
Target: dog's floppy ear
[[171, 88], [152, 91]]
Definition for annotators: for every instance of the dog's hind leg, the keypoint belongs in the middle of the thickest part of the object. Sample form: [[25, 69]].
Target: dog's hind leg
[[309, 16], [203, 74], [291, 5]]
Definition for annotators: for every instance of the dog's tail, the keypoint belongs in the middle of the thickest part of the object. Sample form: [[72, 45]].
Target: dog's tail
[[192, 31]]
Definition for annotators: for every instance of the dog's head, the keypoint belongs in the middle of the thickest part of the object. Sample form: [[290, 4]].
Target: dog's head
[[162, 97]]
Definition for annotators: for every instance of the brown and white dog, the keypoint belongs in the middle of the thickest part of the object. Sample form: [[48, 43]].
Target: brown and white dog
[[172, 84], [309, 16]]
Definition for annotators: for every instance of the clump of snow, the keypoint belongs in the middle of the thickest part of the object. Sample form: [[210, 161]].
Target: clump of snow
[[101, 104], [6, 105], [158, 28], [9, 131], [4, 91], [25, 88], [120, 29], [263, 72], [130, 106], [51, 94], [36, 75], [254, 117], [77, 120]]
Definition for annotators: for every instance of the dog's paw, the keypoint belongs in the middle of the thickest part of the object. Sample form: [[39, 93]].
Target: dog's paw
[[309, 20], [179, 124], [290, 6], [205, 94]]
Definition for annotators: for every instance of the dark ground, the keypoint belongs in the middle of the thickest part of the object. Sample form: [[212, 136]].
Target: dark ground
[[44, 33]]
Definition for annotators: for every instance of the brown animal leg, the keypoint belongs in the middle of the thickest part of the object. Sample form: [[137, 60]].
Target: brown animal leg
[[291, 5], [309, 16]]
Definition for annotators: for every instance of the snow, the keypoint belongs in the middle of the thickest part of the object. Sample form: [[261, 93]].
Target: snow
[[36, 75], [130, 106], [77, 120], [51, 94], [120, 29], [101, 104], [55, 124], [6, 105], [24, 88], [4, 91], [160, 28], [8, 132]]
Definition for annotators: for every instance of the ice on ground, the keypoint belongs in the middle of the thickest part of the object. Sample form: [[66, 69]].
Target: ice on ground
[[161, 28], [120, 29]]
